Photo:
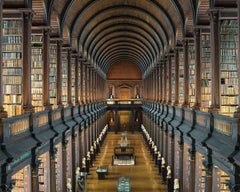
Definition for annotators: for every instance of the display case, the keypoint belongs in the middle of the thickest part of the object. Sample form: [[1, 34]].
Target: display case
[[228, 66], [192, 75], [206, 70], [53, 74], [37, 72], [12, 67], [64, 76]]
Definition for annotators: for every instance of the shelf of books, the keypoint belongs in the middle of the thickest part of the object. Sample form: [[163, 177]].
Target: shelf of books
[[173, 76], [192, 80], [79, 81], [64, 76], [22, 180], [220, 178], [73, 63], [37, 72], [181, 77], [53, 74], [200, 173], [69, 158], [58, 167], [228, 66], [43, 173], [206, 70], [12, 67]]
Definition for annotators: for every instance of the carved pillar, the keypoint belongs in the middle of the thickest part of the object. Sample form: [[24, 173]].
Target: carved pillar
[[176, 55], [46, 50], [74, 163], [208, 182], [34, 176], [53, 151], [237, 113], [192, 154], [214, 17], [181, 165], [27, 97], [196, 34], [59, 73], [186, 74], [3, 114]]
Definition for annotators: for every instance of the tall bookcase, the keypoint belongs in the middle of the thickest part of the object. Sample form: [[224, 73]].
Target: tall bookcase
[[44, 173], [181, 77], [53, 74], [206, 70], [200, 173], [173, 76], [219, 180], [37, 72], [22, 180], [73, 63], [64, 76], [228, 66], [192, 80], [12, 67]]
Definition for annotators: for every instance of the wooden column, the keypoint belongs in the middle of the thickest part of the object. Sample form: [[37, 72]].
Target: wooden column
[[59, 73], [208, 181], [214, 17], [27, 97], [186, 74], [81, 82], [237, 113], [181, 165], [196, 34], [46, 63], [192, 154], [53, 151], [176, 55]]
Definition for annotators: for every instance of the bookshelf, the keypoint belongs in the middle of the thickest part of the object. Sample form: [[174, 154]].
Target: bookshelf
[[200, 173], [64, 57], [219, 180], [181, 76], [228, 66], [58, 167], [69, 164], [192, 75], [173, 76], [22, 180], [37, 72], [205, 57], [12, 67], [43, 173], [73, 63], [79, 81], [53, 74]]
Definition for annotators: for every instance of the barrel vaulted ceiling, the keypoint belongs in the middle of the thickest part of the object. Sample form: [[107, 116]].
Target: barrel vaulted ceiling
[[105, 32]]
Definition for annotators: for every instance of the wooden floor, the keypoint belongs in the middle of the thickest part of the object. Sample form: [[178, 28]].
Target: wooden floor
[[143, 176]]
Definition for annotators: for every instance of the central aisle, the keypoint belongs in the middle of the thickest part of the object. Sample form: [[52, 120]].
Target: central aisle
[[143, 176]]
